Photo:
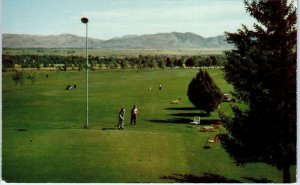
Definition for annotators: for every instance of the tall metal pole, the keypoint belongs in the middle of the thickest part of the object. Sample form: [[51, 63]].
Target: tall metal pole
[[87, 79], [85, 21]]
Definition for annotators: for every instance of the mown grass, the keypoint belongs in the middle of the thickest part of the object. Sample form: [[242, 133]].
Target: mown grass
[[44, 139]]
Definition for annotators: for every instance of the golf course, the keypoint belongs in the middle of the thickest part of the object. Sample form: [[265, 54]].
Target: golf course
[[44, 139]]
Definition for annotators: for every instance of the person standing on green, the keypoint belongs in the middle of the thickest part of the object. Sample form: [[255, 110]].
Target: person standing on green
[[121, 118], [134, 112]]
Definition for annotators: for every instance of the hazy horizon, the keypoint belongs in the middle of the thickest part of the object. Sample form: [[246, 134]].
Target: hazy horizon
[[110, 19]]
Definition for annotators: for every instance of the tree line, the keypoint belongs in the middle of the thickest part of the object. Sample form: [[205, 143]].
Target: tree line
[[65, 63]]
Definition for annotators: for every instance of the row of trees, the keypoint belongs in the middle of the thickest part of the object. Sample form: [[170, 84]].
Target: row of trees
[[77, 62]]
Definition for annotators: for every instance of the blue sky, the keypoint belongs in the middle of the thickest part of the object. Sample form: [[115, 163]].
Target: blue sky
[[115, 18]]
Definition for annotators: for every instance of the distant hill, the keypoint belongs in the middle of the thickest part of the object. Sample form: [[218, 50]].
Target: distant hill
[[172, 40], [51, 41]]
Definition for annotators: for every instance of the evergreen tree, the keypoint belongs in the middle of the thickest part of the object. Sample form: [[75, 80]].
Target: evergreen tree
[[204, 93], [179, 62], [214, 60], [190, 62], [262, 70], [169, 62]]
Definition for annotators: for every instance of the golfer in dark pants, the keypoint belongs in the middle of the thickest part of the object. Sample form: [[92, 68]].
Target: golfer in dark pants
[[134, 112]]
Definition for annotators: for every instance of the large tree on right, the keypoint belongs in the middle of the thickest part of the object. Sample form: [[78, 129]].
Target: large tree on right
[[262, 69]]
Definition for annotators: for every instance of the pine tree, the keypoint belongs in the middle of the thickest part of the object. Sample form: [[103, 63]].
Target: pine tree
[[204, 93], [262, 70]]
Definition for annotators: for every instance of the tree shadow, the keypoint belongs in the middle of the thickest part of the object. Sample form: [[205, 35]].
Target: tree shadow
[[6, 91], [190, 114], [21, 129], [173, 120], [109, 129], [206, 178], [181, 108], [263, 180], [209, 122], [183, 121]]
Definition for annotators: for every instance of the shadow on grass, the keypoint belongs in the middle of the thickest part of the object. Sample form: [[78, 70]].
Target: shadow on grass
[[189, 114], [181, 108], [209, 122], [183, 121], [21, 129], [263, 180], [109, 129], [6, 91], [206, 178], [173, 120]]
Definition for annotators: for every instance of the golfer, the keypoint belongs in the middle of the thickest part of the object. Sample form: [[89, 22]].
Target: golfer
[[121, 118], [134, 112]]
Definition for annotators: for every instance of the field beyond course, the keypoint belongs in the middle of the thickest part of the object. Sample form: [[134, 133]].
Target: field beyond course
[[43, 139], [112, 52]]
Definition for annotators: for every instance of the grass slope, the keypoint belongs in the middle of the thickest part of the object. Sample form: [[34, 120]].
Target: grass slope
[[44, 139]]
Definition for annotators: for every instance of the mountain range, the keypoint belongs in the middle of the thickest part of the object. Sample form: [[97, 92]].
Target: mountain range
[[173, 40]]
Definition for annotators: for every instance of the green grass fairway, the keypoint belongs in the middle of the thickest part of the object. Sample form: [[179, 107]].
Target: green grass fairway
[[43, 139]]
